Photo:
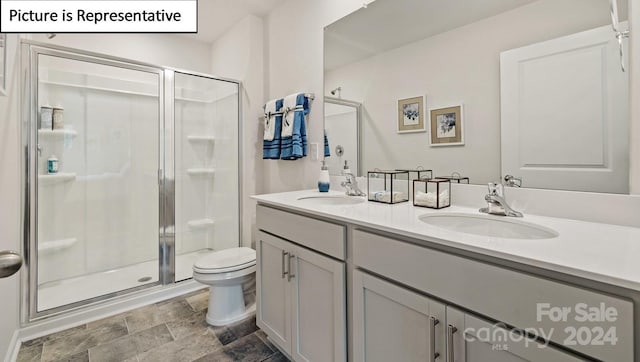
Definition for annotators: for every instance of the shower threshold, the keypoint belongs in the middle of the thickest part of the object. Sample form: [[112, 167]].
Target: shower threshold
[[63, 292]]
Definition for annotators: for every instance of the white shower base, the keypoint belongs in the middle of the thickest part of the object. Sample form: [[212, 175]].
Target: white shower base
[[63, 292]]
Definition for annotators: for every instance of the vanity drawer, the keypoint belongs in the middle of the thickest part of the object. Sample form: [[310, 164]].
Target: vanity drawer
[[318, 235], [501, 294]]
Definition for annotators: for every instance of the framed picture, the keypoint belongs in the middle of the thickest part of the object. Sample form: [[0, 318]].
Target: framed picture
[[411, 115], [446, 125]]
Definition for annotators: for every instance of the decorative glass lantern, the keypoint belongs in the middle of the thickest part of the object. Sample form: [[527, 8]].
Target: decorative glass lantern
[[389, 187], [417, 173], [434, 193], [456, 178]]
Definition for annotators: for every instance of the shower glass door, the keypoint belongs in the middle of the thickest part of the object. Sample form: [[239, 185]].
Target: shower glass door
[[95, 131], [206, 112]]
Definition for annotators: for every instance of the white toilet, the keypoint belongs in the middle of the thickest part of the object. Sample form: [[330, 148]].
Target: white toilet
[[224, 272]]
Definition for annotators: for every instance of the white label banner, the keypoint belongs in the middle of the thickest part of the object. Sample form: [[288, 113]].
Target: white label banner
[[99, 16]]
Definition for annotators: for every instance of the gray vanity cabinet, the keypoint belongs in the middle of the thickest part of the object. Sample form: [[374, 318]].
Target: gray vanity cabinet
[[499, 294], [412, 302], [273, 290], [476, 340], [301, 303], [391, 323]]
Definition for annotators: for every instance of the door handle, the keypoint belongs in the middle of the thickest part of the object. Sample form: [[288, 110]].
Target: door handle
[[450, 351], [433, 322], [10, 263], [284, 255], [290, 275]]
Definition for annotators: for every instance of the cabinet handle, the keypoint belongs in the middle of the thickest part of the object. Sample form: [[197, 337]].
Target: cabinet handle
[[290, 274], [284, 255], [450, 353], [433, 322]]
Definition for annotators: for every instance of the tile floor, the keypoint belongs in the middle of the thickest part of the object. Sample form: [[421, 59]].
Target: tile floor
[[174, 330]]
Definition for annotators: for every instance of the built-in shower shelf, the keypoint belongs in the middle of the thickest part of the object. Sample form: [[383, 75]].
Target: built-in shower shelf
[[47, 247], [64, 133], [55, 178], [110, 89], [201, 139], [185, 95], [201, 172], [200, 223]]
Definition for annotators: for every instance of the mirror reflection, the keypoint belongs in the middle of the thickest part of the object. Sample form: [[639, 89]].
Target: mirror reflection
[[342, 127], [530, 89]]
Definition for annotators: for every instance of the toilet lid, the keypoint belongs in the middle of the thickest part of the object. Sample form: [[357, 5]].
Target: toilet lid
[[237, 258]]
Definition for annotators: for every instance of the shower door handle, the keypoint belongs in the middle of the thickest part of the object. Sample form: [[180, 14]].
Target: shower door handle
[[10, 263]]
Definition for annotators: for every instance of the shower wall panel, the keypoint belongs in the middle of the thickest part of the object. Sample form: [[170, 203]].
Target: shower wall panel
[[206, 167]]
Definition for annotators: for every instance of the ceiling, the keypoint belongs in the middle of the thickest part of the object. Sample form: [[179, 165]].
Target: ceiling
[[215, 17], [389, 24]]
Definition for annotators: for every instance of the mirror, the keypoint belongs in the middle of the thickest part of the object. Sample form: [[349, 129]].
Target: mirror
[[3, 63], [529, 88]]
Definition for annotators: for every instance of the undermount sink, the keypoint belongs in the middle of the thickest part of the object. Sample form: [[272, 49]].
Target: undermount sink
[[332, 200], [492, 226]]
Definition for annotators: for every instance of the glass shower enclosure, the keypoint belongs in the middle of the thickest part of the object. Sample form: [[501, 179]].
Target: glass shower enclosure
[[130, 173]]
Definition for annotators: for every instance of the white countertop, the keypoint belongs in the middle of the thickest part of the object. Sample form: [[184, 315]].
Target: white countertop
[[601, 252]]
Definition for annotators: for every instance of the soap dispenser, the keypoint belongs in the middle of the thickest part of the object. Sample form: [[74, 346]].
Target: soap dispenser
[[323, 180], [346, 169]]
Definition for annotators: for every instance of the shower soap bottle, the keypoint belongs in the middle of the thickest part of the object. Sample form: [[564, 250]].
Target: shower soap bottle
[[323, 180], [53, 165]]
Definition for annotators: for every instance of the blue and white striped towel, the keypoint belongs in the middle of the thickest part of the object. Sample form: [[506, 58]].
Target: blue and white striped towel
[[295, 146], [270, 113], [327, 150], [271, 149]]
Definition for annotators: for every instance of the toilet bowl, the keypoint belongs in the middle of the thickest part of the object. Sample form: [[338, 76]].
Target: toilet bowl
[[224, 272]]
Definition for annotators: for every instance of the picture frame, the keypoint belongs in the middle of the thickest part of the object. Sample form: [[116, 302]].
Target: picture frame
[[447, 126], [411, 115]]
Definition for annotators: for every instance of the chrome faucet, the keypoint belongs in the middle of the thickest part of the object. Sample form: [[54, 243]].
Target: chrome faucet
[[496, 203], [512, 181], [350, 185]]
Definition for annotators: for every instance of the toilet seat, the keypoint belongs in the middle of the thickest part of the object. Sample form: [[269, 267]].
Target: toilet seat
[[225, 261]]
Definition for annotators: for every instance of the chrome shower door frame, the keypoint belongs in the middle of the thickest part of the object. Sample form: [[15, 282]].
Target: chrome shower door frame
[[29, 213], [29, 51]]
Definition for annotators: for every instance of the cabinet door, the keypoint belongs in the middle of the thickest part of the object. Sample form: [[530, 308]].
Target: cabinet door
[[395, 324], [319, 312], [273, 291], [476, 340]]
